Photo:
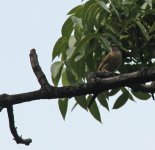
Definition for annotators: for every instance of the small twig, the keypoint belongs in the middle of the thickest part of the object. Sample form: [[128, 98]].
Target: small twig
[[13, 129], [38, 71]]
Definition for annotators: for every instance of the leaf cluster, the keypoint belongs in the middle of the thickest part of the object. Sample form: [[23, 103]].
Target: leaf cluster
[[86, 37]]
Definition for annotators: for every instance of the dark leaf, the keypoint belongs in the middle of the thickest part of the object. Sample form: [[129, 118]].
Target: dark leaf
[[67, 28], [122, 99], [85, 13], [63, 105], [83, 42], [129, 94], [103, 5], [75, 9], [113, 92], [67, 77], [103, 101], [143, 29], [105, 43], [141, 95], [60, 46], [81, 100], [94, 109]]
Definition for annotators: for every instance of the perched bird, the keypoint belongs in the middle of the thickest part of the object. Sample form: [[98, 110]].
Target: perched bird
[[111, 61]]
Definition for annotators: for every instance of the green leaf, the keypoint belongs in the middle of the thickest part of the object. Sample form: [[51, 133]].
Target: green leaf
[[72, 41], [94, 109], [80, 56], [77, 21], [105, 43], [65, 81], [80, 72], [74, 10], [113, 92], [113, 29], [56, 70], [67, 77], [143, 30], [126, 25], [131, 97], [93, 15], [74, 106], [103, 5], [60, 46], [78, 32], [83, 42], [149, 2], [89, 64], [152, 29], [81, 100], [123, 89], [70, 52], [103, 101], [115, 10], [67, 28], [85, 13], [70, 76], [122, 99], [141, 95], [114, 40], [63, 105]]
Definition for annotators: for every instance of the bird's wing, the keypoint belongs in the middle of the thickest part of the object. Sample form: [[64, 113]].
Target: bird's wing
[[105, 60]]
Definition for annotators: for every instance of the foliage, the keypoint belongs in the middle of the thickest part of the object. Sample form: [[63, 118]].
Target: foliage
[[86, 38]]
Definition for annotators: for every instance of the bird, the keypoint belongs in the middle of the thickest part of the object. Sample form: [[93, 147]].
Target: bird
[[109, 63], [112, 61]]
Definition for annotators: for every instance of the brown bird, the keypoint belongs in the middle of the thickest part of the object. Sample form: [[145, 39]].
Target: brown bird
[[111, 61]]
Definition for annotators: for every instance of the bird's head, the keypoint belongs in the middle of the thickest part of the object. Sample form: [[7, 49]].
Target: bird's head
[[115, 47]]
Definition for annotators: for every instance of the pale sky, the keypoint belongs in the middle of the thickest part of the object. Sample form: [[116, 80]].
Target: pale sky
[[37, 24]]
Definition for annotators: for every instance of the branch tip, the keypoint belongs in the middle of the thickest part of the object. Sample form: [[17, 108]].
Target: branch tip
[[13, 129], [32, 51]]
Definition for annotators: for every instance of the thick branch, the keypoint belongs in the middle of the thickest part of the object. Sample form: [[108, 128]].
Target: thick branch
[[13, 129], [131, 80], [49, 92]]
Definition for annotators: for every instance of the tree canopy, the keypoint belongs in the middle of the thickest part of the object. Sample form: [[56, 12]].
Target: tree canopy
[[86, 37]]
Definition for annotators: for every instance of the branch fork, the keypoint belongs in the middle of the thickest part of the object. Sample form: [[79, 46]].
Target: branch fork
[[135, 80]]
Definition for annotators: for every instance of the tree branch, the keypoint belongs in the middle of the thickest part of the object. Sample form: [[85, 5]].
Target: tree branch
[[38, 71], [13, 129], [98, 85], [101, 82]]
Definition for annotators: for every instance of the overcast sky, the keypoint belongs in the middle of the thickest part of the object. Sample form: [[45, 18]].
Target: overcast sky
[[37, 24]]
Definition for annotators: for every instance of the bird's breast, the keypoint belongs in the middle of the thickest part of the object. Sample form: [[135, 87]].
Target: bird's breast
[[114, 62]]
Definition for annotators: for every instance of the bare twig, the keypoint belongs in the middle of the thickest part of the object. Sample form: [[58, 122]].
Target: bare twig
[[13, 129], [38, 71]]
